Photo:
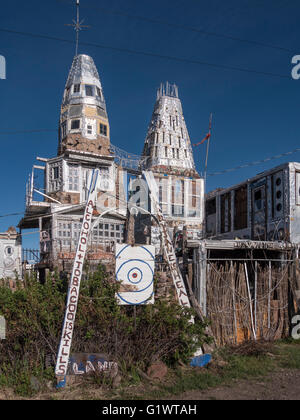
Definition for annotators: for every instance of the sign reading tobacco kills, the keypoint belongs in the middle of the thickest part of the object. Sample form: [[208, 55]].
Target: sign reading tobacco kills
[[74, 287]]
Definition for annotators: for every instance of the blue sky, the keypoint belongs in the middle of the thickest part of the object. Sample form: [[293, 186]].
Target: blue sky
[[255, 115]]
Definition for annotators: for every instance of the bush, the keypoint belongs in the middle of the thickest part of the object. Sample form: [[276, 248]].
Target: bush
[[134, 337]]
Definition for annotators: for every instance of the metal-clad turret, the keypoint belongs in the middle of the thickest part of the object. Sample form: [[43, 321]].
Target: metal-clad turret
[[167, 145], [84, 122]]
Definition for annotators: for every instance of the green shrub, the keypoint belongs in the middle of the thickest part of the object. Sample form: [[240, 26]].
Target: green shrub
[[133, 337]]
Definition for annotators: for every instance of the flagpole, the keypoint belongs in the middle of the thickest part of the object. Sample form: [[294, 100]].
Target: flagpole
[[207, 151]]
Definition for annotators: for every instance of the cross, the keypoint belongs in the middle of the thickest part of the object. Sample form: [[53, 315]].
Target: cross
[[77, 25]]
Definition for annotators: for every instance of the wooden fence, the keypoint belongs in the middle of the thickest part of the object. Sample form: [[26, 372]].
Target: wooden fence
[[250, 299]]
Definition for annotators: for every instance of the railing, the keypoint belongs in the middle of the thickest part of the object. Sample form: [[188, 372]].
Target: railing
[[30, 256]]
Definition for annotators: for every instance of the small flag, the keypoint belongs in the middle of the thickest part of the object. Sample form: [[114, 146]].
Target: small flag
[[201, 142]]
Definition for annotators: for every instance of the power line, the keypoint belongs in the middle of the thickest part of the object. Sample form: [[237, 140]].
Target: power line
[[132, 155], [9, 132], [11, 214], [148, 54], [186, 28], [255, 163]]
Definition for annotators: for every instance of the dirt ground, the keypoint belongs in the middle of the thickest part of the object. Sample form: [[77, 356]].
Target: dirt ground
[[281, 385]]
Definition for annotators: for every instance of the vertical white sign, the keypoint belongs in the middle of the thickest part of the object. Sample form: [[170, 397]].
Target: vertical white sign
[[74, 286], [167, 243]]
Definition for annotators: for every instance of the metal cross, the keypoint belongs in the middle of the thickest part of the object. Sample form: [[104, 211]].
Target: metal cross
[[77, 25]]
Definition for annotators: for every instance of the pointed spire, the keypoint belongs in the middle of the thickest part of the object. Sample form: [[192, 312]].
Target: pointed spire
[[167, 145], [84, 122]]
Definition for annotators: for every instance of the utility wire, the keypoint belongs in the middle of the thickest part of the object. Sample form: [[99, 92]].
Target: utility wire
[[184, 27], [255, 163], [9, 132], [210, 174], [148, 54], [11, 214], [246, 165]]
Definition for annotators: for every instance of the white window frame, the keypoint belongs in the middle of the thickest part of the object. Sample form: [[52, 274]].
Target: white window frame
[[54, 184], [71, 176]]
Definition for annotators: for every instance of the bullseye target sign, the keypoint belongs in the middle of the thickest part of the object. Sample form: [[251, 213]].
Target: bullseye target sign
[[135, 272]]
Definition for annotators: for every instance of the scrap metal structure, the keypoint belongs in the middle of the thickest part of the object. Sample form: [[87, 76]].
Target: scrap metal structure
[[265, 207]]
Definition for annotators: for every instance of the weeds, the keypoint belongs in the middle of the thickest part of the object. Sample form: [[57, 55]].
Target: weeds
[[34, 316]]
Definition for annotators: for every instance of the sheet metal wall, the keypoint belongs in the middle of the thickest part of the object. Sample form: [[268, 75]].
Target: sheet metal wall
[[281, 186]]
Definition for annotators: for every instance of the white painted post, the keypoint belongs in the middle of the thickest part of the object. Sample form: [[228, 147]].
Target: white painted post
[[250, 302], [2, 328], [255, 298], [74, 286], [269, 295], [167, 243]]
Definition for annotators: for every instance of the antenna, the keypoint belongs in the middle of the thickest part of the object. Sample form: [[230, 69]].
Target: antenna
[[77, 25]]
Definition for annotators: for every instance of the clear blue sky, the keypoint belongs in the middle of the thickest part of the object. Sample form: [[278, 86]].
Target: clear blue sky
[[255, 115]]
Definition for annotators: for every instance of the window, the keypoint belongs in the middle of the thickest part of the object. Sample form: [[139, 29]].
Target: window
[[9, 251], [166, 152], [177, 153], [67, 94], [75, 124], [90, 129], [55, 176], [55, 172], [76, 88], [103, 129], [63, 130], [65, 233], [103, 232], [98, 92], [160, 194], [73, 178], [89, 90]]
